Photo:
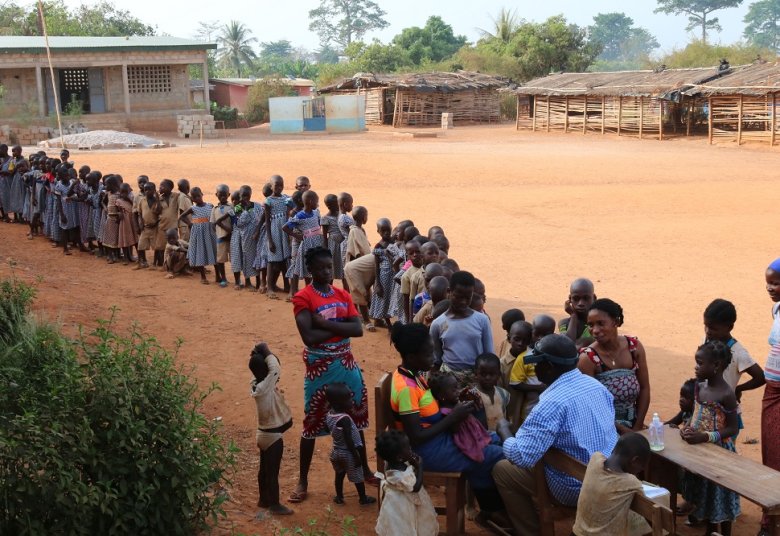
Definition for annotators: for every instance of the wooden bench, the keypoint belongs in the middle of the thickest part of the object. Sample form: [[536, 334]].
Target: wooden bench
[[660, 517], [454, 484]]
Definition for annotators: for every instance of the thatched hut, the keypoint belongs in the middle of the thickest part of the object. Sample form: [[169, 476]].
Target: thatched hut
[[637, 102], [743, 105], [420, 99]]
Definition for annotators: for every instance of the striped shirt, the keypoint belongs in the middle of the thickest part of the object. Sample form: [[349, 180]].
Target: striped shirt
[[772, 369], [576, 415]]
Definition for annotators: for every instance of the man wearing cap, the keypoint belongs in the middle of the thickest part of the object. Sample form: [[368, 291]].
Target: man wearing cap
[[575, 414]]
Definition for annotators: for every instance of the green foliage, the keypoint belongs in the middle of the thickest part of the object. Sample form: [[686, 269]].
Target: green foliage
[[102, 434], [257, 98], [376, 57], [698, 12], [763, 24], [433, 42], [504, 26], [341, 22], [326, 54], [235, 47], [316, 528], [621, 40], [700, 54], [224, 113], [99, 20], [535, 49], [332, 72], [75, 108]]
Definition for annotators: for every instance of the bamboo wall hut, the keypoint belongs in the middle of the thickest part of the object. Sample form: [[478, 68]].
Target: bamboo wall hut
[[743, 105], [642, 103], [420, 99]]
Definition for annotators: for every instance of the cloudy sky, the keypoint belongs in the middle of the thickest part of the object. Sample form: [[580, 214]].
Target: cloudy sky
[[271, 20]]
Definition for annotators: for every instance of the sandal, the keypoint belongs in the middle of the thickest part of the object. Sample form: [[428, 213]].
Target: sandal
[[272, 295], [298, 496], [238, 286], [369, 327]]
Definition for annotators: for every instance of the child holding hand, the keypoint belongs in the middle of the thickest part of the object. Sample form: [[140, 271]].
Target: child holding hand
[[406, 509], [273, 419], [346, 455]]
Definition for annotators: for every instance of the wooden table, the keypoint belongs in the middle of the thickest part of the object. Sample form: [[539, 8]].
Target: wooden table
[[755, 482]]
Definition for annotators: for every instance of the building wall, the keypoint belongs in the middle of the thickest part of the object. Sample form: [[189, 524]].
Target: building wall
[[345, 113], [20, 92], [96, 59], [286, 114]]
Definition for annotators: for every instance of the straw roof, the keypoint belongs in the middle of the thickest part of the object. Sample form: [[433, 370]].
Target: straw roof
[[757, 79], [623, 83], [423, 82]]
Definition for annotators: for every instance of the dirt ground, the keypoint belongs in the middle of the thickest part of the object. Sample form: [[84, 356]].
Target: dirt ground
[[661, 227]]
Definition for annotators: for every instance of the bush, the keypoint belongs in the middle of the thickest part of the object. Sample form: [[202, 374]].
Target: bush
[[257, 99], [224, 113], [701, 54], [102, 434]]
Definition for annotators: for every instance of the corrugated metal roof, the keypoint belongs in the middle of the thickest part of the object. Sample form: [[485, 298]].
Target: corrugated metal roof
[[757, 79], [59, 44], [631, 83], [297, 82]]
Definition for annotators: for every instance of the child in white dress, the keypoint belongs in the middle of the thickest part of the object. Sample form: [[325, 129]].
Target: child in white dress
[[406, 508]]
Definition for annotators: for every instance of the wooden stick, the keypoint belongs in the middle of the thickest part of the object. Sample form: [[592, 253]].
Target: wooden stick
[[585, 116], [517, 113], [603, 113], [739, 118], [660, 120], [709, 117], [548, 113], [690, 117], [641, 116], [620, 114], [566, 116], [533, 122], [774, 120]]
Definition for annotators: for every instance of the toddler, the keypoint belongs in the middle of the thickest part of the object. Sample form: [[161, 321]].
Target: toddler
[[273, 419], [471, 437], [345, 456]]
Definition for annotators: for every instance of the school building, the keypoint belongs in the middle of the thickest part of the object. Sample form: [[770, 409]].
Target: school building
[[136, 83], [233, 92]]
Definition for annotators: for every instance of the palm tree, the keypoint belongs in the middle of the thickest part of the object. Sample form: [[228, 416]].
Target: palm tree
[[235, 46], [504, 26]]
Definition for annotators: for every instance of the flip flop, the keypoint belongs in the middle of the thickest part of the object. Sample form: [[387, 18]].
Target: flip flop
[[238, 287], [272, 296], [297, 496], [369, 327]]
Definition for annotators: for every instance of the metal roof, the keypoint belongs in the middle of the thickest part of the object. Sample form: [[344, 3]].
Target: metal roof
[[59, 44], [289, 81]]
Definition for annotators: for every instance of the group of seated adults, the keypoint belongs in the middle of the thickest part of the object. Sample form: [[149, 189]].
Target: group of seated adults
[[576, 415]]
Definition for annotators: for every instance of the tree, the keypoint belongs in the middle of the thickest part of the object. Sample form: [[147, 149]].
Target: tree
[[326, 54], [344, 21], [276, 49], [620, 38], [104, 19], [698, 12], [504, 26], [235, 46], [207, 30], [763, 24], [377, 57], [434, 42]]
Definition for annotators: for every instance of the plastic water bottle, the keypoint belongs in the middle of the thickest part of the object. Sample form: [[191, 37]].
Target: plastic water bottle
[[656, 433]]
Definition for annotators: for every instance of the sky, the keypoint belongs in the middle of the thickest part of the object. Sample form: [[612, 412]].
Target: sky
[[272, 20]]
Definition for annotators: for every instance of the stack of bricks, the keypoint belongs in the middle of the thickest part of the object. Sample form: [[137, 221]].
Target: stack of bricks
[[28, 136], [189, 126]]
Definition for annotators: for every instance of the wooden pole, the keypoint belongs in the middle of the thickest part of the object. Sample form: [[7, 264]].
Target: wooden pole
[[51, 71], [660, 120], [690, 117], [709, 117], [533, 127], [641, 116], [739, 118], [517, 112], [620, 114], [603, 113], [774, 119], [585, 116], [566, 116], [548, 113], [397, 109]]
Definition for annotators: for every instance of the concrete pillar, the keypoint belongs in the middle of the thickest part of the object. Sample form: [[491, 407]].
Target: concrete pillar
[[206, 87], [41, 97], [126, 88]]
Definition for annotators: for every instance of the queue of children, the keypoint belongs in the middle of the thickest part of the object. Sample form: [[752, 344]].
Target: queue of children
[[408, 277]]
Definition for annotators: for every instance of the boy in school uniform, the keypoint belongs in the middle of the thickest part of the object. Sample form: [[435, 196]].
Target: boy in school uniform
[[147, 212], [185, 203]]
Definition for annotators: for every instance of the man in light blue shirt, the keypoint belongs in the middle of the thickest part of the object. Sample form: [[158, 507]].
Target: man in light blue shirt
[[575, 414]]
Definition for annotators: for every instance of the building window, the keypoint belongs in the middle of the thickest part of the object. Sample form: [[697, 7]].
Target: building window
[[75, 80], [149, 78]]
